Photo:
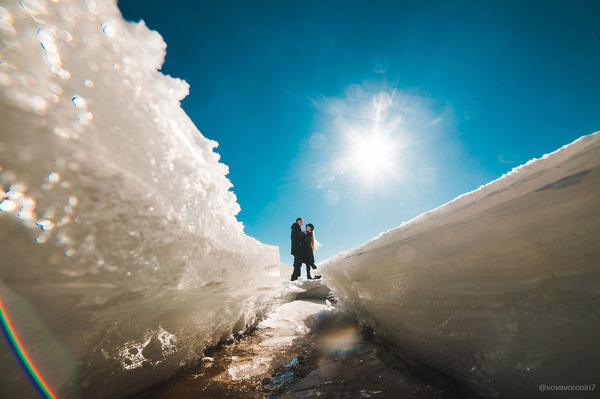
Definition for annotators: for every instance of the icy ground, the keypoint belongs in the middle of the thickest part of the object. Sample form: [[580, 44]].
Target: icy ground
[[307, 348]]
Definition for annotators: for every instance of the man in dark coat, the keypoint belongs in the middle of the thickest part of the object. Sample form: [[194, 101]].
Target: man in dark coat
[[296, 237]]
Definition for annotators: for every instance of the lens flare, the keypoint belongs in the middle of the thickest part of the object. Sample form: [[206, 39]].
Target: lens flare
[[19, 351]]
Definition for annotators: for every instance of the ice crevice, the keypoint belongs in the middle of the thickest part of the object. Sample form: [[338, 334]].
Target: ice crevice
[[122, 258]]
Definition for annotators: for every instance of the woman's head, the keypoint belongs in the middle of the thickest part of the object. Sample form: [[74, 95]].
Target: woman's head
[[310, 226]]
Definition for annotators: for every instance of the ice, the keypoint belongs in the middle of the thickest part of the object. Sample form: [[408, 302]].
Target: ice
[[285, 325], [499, 288], [122, 258]]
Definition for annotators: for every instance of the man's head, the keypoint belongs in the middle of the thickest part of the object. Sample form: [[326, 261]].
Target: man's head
[[299, 221]]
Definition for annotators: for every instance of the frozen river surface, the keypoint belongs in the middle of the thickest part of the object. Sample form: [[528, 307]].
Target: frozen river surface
[[307, 348]]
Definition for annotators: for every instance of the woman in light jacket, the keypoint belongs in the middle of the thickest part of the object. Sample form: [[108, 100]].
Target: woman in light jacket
[[308, 249]]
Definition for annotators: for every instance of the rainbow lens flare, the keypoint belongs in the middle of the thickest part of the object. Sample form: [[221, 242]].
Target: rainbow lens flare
[[20, 353]]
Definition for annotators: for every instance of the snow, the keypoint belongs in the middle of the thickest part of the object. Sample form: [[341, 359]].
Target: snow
[[122, 258], [499, 288]]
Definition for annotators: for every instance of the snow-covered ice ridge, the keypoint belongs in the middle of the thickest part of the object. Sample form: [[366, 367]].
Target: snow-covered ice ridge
[[122, 258], [499, 288]]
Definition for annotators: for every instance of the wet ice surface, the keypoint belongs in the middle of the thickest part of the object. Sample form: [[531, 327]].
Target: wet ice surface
[[306, 348]]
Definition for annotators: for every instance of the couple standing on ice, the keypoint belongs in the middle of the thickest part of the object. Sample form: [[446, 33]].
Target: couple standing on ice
[[303, 248]]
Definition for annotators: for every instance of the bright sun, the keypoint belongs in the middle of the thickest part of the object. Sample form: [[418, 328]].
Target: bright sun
[[372, 155]]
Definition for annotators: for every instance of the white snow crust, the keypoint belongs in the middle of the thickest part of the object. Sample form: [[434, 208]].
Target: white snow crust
[[499, 288]]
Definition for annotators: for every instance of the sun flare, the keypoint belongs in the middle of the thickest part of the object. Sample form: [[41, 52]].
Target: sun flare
[[372, 155]]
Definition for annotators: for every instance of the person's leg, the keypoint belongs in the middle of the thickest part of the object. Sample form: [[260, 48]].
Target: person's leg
[[297, 266], [308, 272], [316, 276]]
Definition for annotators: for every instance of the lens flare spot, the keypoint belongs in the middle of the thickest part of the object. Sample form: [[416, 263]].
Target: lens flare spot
[[79, 102], [45, 225], [8, 206], [53, 178], [340, 341]]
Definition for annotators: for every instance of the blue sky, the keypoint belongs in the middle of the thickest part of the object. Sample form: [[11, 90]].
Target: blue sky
[[360, 115]]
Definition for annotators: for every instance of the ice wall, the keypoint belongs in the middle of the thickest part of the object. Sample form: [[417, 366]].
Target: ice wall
[[499, 288], [121, 257]]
